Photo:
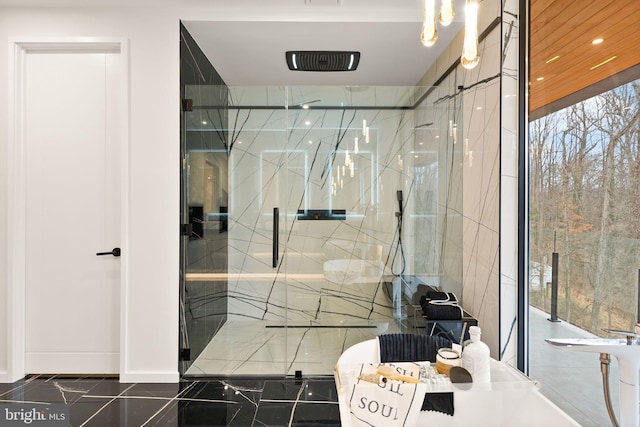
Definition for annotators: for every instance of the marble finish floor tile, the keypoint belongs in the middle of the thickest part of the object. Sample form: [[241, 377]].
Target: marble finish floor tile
[[220, 402]]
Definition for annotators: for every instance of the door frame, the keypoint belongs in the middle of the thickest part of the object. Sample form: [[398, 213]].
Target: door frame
[[16, 178]]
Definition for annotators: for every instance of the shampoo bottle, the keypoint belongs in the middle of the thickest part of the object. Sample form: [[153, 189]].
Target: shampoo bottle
[[476, 357]]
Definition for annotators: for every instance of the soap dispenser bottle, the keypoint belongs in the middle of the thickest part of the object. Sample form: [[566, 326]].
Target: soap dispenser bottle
[[476, 357]]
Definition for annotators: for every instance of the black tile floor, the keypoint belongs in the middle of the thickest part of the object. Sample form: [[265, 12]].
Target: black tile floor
[[219, 402]]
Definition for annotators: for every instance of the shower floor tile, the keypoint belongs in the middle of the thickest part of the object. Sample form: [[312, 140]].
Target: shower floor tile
[[258, 348]]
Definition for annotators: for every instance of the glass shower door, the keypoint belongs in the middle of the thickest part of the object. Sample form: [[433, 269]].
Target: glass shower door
[[312, 247], [350, 173], [249, 338]]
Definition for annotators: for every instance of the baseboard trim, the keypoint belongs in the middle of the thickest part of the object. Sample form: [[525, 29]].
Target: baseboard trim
[[7, 378]]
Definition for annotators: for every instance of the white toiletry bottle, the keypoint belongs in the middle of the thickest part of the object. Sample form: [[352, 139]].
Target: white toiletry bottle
[[475, 357]]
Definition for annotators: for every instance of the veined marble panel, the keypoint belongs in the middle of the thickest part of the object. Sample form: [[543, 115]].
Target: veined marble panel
[[509, 184], [481, 224], [314, 163]]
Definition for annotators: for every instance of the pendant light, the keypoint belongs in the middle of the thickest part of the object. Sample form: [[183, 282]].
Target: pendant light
[[470, 56], [429, 30], [446, 12]]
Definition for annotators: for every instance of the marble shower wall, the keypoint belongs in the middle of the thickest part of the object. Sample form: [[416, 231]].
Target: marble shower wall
[[437, 231], [328, 269], [332, 270], [481, 225], [489, 175]]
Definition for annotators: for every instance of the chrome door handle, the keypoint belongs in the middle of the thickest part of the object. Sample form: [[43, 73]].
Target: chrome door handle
[[115, 252]]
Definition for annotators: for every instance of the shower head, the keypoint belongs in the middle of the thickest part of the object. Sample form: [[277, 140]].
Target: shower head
[[322, 60]]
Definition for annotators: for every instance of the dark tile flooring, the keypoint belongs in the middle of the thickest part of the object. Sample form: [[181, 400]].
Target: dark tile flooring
[[216, 402]]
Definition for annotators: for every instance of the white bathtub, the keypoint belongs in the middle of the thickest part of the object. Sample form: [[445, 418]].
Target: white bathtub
[[510, 400]]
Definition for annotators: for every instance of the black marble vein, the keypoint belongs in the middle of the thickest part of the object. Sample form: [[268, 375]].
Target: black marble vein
[[221, 402]]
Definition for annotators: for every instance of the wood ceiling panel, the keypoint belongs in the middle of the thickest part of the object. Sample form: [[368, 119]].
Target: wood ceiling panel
[[566, 28]]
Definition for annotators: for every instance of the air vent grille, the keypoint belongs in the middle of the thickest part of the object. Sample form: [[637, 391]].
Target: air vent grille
[[322, 60]]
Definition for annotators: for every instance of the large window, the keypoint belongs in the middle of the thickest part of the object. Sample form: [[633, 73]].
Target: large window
[[585, 207]]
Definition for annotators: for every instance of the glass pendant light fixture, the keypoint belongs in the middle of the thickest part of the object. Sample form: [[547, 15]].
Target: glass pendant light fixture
[[429, 30], [470, 56], [446, 12]]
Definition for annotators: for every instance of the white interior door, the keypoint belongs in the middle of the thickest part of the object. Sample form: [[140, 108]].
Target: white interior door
[[72, 212]]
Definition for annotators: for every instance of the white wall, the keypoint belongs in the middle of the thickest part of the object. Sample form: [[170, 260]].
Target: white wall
[[151, 340]]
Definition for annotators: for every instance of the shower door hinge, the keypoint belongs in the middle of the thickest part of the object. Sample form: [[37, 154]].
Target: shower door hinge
[[187, 104], [186, 229], [185, 354]]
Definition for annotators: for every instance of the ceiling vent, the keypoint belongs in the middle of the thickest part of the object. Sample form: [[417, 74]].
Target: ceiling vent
[[322, 60]]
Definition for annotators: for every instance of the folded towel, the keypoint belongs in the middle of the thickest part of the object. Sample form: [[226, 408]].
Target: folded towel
[[438, 295], [410, 347], [440, 306], [439, 402], [433, 310], [391, 403]]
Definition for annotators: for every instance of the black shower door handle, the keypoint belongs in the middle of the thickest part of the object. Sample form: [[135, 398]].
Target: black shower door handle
[[276, 234], [115, 252]]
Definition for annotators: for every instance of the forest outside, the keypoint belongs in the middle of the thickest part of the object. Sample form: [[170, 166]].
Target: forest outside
[[585, 205]]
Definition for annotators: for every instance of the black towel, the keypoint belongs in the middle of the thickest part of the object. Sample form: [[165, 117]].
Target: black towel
[[433, 310], [410, 347], [440, 306], [439, 402], [438, 295], [415, 348]]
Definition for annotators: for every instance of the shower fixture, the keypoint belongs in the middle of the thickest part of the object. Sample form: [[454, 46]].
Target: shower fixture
[[322, 60]]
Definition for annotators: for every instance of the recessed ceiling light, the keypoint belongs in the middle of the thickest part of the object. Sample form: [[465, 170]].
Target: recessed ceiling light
[[597, 41], [478, 108], [307, 123], [310, 142], [540, 79], [204, 122]]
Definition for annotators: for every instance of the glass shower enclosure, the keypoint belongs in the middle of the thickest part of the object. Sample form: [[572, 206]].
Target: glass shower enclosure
[[313, 218]]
